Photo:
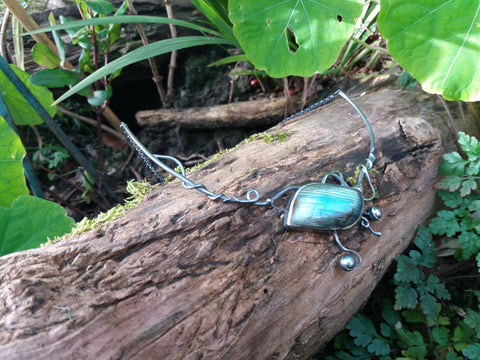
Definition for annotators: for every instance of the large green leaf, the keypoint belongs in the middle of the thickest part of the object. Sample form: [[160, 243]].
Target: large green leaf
[[293, 37], [12, 179], [437, 42], [145, 52], [22, 113], [53, 78], [43, 56], [29, 222]]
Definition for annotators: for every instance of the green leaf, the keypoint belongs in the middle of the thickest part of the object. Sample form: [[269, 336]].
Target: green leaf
[[71, 31], [452, 355], [470, 243], [29, 222], [43, 56], [389, 314], [441, 335], [424, 242], [229, 60], [54, 78], [12, 178], [58, 40], [385, 330], [436, 42], [473, 168], [467, 187], [98, 98], [22, 113], [124, 19], [405, 298], [450, 183], [445, 223], [145, 52], [406, 81], [217, 12], [454, 164], [434, 286], [114, 30], [472, 352], [461, 335], [429, 306], [470, 145], [474, 206], [100, 6], [408, 271], [362, 330], [414, 315], [451, 199], [473, 320], [291, 37], [379, 347], [414, 343]]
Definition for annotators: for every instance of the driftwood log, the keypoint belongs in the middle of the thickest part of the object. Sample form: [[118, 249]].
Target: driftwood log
[[183, 277]]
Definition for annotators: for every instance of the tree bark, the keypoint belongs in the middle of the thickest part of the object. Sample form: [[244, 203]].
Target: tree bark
[[183, 277]]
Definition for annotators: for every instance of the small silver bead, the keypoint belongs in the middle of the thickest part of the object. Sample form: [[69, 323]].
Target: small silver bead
[[347, 262], [374, 213]]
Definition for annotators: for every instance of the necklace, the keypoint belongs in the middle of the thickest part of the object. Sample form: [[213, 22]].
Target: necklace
[[329, 205]]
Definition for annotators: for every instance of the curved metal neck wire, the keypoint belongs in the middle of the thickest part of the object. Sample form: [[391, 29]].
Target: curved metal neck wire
[[252, 196]]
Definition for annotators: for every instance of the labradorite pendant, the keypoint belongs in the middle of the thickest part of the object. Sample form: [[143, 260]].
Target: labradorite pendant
[[320, 206]]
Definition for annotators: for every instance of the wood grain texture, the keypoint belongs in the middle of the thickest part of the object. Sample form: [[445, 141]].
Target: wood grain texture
[[182, 277]]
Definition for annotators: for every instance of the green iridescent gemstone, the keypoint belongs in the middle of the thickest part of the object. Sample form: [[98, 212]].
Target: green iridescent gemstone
[[319, 206]]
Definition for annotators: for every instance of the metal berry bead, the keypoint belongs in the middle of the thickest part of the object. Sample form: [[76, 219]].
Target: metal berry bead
[[347, 262], [374, 213]]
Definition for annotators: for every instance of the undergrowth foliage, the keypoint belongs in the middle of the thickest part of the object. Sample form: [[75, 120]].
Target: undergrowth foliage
[[424, 320]]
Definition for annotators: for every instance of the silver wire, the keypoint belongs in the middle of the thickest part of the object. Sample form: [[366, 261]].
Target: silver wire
[[252, 196], [349, 251]]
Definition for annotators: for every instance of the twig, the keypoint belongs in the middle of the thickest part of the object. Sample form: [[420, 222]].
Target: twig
[[62, 201], [157, 79], [173, 55], [453, 128], [90, 121], [289, 105], [63, 178]]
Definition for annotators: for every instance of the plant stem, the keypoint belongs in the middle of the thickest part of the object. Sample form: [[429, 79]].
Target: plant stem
[[453, 128], [368, 46], [3, 32], [157, 79], [173, 56], [289, 106], [90, 121], [62, 201]]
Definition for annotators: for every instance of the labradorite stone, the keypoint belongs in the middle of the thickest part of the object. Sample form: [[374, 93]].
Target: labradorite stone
[[319, 206]]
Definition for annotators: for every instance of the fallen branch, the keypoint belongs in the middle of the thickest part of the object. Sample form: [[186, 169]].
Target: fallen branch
[[264, 112]]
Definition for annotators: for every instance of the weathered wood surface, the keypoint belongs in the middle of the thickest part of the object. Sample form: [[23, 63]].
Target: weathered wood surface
[[182, 277], [262, 112]]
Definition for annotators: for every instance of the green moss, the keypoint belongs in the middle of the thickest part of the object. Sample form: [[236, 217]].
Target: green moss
[[270, 138]]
